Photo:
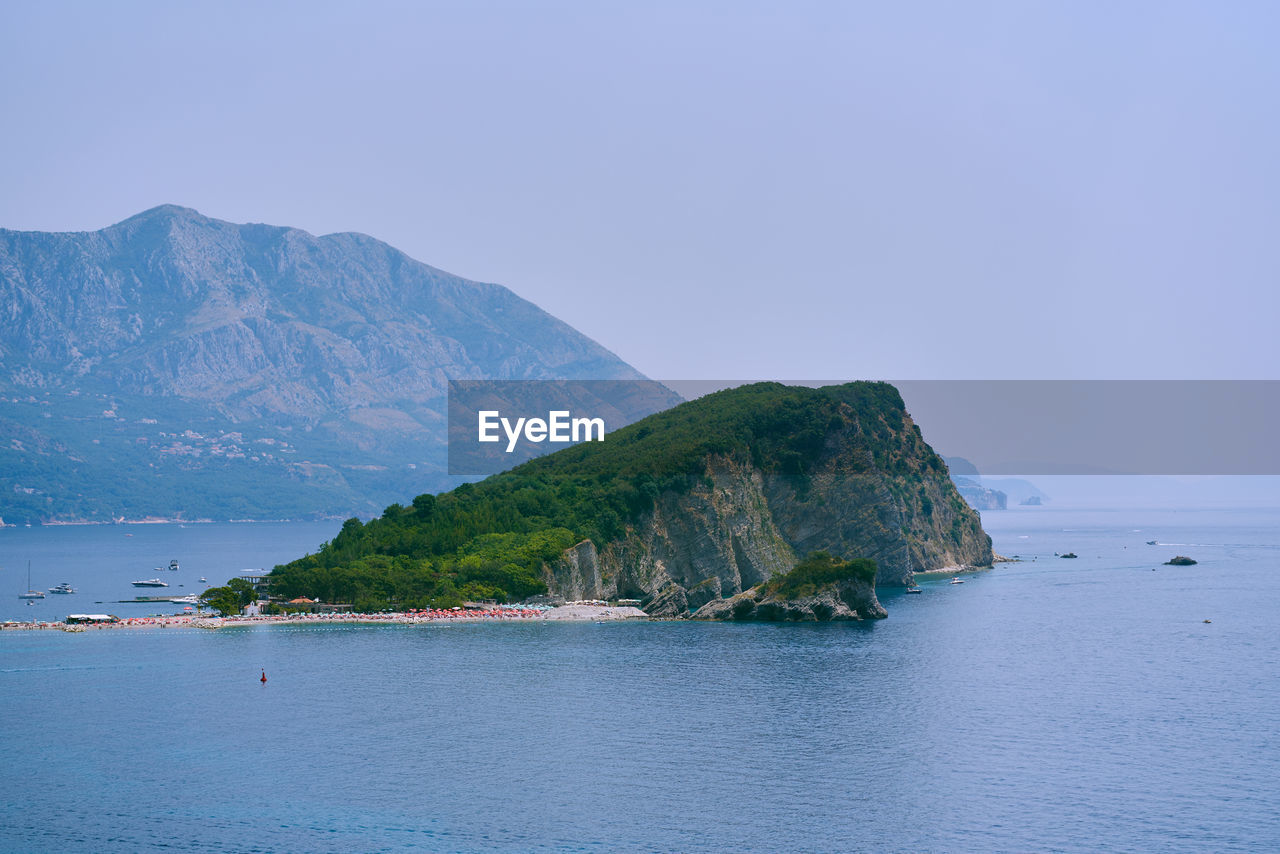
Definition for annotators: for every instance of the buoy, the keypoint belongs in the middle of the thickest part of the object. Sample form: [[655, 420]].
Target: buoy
[[264, 677]]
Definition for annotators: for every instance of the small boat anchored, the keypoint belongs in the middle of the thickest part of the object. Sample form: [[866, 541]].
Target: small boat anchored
[[64, 587], [173, 566], [32, 594], [914, 590], [150, 582], [956, 580]]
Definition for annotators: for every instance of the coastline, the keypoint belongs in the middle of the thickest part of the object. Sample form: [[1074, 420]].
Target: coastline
[[564, 613], [158, 520], [949, 571], [962, 569]]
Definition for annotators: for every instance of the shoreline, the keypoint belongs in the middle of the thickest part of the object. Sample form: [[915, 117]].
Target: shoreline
[[948, 571], [564, 613], [156, 520]]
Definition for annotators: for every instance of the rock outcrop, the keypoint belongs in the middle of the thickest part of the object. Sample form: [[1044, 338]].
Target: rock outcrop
[[845, 601]]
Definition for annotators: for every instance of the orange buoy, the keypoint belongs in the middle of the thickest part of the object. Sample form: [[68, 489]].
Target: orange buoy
[[264, 677]]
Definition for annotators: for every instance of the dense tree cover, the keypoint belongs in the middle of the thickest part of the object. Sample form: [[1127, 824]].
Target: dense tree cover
[[820, 569], [231, 598], [506, 567], [491, 538]]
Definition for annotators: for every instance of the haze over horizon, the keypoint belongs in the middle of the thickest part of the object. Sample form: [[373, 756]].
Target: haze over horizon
[[986, 191]]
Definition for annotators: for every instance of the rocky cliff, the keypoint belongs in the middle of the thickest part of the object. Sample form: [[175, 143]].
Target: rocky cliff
[[870, 493]]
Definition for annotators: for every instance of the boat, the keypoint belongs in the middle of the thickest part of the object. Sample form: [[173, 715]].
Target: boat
[[202, 578], [914, 590], [150, 582], [1152, 543], [31, 593], [173, 566], [64, 587], [187, 600], [956, 580]]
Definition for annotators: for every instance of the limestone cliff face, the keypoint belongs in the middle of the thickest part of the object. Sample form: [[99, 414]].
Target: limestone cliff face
[[716, 540], [739, 525]]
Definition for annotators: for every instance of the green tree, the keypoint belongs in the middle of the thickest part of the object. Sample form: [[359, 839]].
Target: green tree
[[224, 600], [243, 590]]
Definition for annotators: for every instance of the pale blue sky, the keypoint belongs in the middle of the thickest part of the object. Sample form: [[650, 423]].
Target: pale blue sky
[[738, 190]]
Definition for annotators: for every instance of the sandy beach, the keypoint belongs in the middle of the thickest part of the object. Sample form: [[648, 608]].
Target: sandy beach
[[564, 613]]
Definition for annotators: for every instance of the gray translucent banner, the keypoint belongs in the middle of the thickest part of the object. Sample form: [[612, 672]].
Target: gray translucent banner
[[1003, 427], [1149, 427], [1184, 427], [497, 424]]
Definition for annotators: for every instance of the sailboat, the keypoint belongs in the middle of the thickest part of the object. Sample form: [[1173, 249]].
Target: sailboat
[[31, 593]]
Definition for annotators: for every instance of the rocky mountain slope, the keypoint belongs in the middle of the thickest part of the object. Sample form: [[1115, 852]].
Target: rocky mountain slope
[[870, 487], [177, 363]]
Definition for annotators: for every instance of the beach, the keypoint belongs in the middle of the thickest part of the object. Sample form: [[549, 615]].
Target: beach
[[574, 612]]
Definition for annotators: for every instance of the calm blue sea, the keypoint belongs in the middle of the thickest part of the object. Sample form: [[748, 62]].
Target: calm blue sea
[[101, 561], [1049, 705]]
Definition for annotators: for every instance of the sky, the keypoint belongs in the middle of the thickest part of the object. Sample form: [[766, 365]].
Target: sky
[[979, 190]]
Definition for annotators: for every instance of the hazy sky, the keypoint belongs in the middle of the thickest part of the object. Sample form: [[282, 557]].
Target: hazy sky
[[882, 190]]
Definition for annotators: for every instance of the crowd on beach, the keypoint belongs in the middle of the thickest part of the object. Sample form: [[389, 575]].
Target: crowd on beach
[[414, 616]]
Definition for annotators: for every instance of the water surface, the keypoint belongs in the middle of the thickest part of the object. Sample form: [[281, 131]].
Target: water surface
[[1068, 705]]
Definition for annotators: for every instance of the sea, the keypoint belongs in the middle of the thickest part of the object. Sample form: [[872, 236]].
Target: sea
[[1103, 703]]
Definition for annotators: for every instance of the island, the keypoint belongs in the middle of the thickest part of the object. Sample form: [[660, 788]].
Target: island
[[727, 494]]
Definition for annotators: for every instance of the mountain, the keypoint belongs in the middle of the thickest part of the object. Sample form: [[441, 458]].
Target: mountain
[[689, 506], [175, 364], [978, 496], [988, 493]]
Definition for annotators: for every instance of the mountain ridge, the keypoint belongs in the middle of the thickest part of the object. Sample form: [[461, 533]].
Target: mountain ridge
[[339, 345]]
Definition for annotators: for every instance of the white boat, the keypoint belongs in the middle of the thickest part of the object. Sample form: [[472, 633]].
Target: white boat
[[31, 593], [956, 581], [173, 566], [64, 587], [187, 600], [150, 582], [202, 578]]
